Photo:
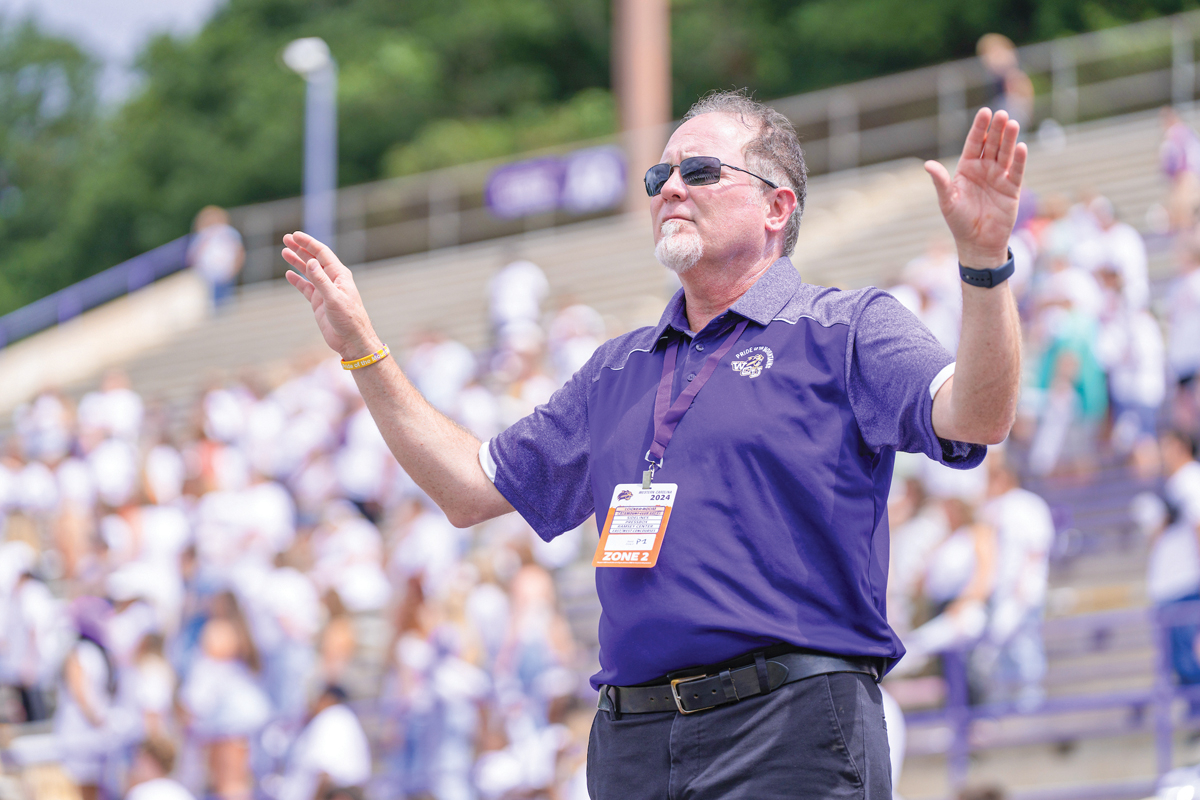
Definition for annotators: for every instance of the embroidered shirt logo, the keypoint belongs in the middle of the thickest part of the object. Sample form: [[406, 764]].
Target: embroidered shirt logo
[[752, 361]]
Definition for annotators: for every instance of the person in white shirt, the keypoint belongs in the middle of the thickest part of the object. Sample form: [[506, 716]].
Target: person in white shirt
[[917, 528], [164, 474], [348, 554], [1123, 247], [113, 410], [114, 465], [1173, 574], [43, 426], [216, 252], [150, 777], [1183, 333], [331, 753], [364, 465], [85, 697], [32, 626], [288, 614], [152, 685], [575, 333], [1179, 157], [1012, 655], [224, 705], [1130, 347], [441, 367], [515, 295], [959, 579], [937, 301]]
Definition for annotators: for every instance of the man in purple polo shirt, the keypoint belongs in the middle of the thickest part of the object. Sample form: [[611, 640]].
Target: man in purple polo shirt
[[741, 648]]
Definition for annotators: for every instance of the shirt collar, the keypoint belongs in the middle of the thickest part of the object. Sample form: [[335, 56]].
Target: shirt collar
[[761, 303]]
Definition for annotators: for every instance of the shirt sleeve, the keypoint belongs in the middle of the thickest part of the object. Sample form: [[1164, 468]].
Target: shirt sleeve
[[542, 461], [893, 362]]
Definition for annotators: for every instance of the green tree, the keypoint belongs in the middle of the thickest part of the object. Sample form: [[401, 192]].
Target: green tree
[[423, 84], [47, 115], [219, 119]]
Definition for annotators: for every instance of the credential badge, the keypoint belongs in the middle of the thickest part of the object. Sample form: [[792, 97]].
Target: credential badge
[[752, 361]]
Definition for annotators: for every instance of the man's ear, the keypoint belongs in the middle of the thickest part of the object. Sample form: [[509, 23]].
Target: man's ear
[[781, 203]]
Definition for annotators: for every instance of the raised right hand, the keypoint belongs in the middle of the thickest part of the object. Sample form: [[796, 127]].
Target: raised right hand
[[336, 304]]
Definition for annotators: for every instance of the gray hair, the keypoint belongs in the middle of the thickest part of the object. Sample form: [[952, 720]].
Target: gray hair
[[774, 152]]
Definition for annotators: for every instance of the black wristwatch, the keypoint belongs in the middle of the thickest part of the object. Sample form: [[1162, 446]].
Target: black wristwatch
[[987, 278]]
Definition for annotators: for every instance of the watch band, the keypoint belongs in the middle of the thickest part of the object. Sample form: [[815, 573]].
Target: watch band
[[987, 278]]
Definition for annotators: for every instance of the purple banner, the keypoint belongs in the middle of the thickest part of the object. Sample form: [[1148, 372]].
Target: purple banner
[[583, 182], [525, 188]]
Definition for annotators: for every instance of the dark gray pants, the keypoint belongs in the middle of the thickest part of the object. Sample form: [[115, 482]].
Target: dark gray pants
[[822, 737]]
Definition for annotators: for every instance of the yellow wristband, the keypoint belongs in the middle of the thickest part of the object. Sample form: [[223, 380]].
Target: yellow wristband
[[367, 361]]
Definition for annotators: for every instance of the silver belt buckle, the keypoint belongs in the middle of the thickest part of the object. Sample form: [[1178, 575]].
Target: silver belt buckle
[[675, 693]]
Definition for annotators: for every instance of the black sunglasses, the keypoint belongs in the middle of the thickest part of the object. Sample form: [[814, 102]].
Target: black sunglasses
[[695, 171]]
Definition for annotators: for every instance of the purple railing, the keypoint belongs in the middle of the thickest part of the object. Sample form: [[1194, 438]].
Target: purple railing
[[114, 282], [1150, 708]]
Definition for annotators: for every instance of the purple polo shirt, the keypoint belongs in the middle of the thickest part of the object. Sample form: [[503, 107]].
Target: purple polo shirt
[[779, 531]]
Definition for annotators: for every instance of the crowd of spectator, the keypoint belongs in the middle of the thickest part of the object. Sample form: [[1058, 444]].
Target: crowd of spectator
[[266, 604], [262, 603], [1110, 367]]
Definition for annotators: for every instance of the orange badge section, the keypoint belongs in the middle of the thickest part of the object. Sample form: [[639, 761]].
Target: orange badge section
[[634, 528]]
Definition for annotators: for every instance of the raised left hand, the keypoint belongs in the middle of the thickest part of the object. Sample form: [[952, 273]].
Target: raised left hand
[[980, 201]]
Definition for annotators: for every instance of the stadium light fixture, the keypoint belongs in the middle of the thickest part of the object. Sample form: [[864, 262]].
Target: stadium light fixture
[[311, 59]]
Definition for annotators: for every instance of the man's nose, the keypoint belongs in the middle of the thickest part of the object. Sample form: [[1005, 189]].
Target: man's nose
[[675, 188]]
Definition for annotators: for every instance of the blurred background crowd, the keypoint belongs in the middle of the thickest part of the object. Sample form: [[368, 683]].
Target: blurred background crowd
[[225, 590]]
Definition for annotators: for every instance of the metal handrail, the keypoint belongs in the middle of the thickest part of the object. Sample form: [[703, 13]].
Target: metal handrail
[[114, 282]]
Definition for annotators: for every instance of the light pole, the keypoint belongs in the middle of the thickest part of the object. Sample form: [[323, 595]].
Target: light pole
[[310, 58]]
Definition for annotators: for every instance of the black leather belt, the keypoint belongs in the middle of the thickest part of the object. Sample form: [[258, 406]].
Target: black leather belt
[[717, 686]]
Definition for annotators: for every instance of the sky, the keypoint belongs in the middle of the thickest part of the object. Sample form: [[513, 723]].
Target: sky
[[113, 30]]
